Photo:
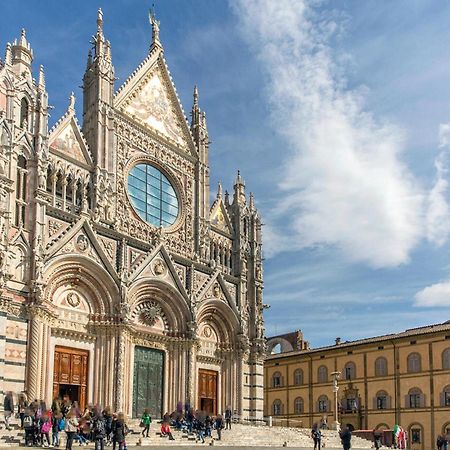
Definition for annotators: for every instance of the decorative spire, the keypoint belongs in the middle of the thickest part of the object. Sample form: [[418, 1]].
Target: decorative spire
[[41, 80], [227, 198], [155, 30], [23, 39], [252, 202], [195, 96], [99, 21], [71, 108], [219, 191], [239, 180], [8, 55]]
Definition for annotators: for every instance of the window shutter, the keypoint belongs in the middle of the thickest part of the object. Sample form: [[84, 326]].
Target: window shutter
[[407, 402], [388, 402]]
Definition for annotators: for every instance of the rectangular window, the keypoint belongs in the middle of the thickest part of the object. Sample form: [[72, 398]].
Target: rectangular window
[[415, 435], [381, 402], [323, 404], [414, 400], [447, 398]]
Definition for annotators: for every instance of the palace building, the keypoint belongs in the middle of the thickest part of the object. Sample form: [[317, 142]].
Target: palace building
[[120, 284], [401, 378]]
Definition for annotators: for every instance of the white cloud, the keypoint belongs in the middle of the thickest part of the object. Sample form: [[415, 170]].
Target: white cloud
[[435, 295], [438, 214], [344, 182]]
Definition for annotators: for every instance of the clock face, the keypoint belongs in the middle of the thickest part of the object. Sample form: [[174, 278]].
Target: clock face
[[152, 195]]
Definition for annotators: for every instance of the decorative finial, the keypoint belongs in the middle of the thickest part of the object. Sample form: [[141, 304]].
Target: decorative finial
[[219, 190], [155, 28], [195, 95], [41, 81], [252, 201], [8, 54], [100, 20], [227, 198], [89, 59], [239, 178], [71, 107], [23, 38]]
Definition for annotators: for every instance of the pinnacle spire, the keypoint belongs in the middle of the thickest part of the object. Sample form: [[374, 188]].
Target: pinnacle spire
[[252, 202], [99, 20], [41, 80], [219, 191], [239, 180], [8, 54], [23, 39], [195, 96]]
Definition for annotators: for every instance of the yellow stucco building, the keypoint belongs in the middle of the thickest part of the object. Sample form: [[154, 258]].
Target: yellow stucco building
[[399, 378]]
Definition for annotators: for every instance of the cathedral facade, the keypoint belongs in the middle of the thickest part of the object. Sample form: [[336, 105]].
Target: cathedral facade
[[120, 283]]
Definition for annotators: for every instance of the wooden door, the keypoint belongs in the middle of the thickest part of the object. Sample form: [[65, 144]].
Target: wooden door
[[70, 374], [207, 391]]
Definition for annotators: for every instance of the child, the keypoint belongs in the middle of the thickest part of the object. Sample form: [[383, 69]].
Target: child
[[46, 426], [57, 426], [70, 427], [146, 421], [28, 424]]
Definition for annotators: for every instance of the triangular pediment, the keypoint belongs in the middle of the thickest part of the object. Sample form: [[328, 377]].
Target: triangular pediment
[[149, 98], [80, 239], [216, 289], [67, 141], [158, 265], [219, 217]]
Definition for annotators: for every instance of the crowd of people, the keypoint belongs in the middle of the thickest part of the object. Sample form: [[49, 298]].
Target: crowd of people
[[200, 423], [93, 424], [43, 425]]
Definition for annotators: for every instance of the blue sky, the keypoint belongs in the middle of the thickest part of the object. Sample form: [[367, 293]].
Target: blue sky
[[336, 113]]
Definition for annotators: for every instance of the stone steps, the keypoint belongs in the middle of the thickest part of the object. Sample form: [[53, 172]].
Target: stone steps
[[240, 435]]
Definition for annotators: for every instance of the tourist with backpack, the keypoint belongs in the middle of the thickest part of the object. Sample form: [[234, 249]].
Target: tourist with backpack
[[120, 431], [219, 426], [99, 431], [146, 420], [28, 425], [317, 436]]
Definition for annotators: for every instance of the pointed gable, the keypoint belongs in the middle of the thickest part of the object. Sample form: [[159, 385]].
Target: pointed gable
[[67, 141], [219, 217], [150, 99]]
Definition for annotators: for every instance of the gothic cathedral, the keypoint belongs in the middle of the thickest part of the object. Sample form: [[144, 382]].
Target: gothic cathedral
[[120, 284]]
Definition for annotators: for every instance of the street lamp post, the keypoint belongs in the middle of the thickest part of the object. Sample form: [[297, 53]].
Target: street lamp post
[[336, 376]]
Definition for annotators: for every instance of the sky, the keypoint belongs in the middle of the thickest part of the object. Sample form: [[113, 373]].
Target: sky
[[337, 115]]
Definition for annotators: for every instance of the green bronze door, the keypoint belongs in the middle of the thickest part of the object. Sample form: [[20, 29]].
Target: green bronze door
[[148, 381]]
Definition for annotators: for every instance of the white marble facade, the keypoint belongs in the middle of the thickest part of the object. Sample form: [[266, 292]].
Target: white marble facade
[[84, 267]]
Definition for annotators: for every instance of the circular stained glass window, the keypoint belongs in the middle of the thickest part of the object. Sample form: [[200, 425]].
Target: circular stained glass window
[[152, 195]]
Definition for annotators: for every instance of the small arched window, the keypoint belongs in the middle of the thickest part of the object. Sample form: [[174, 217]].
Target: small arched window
[[298, 405], [298, 376], [446, 359], [415, 399], [381, 367], [277, 380], [414, 363], [350, 371], [382, 400], [322, 404], [445, 396], [277, 407], [322, 374], [24, 107]]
